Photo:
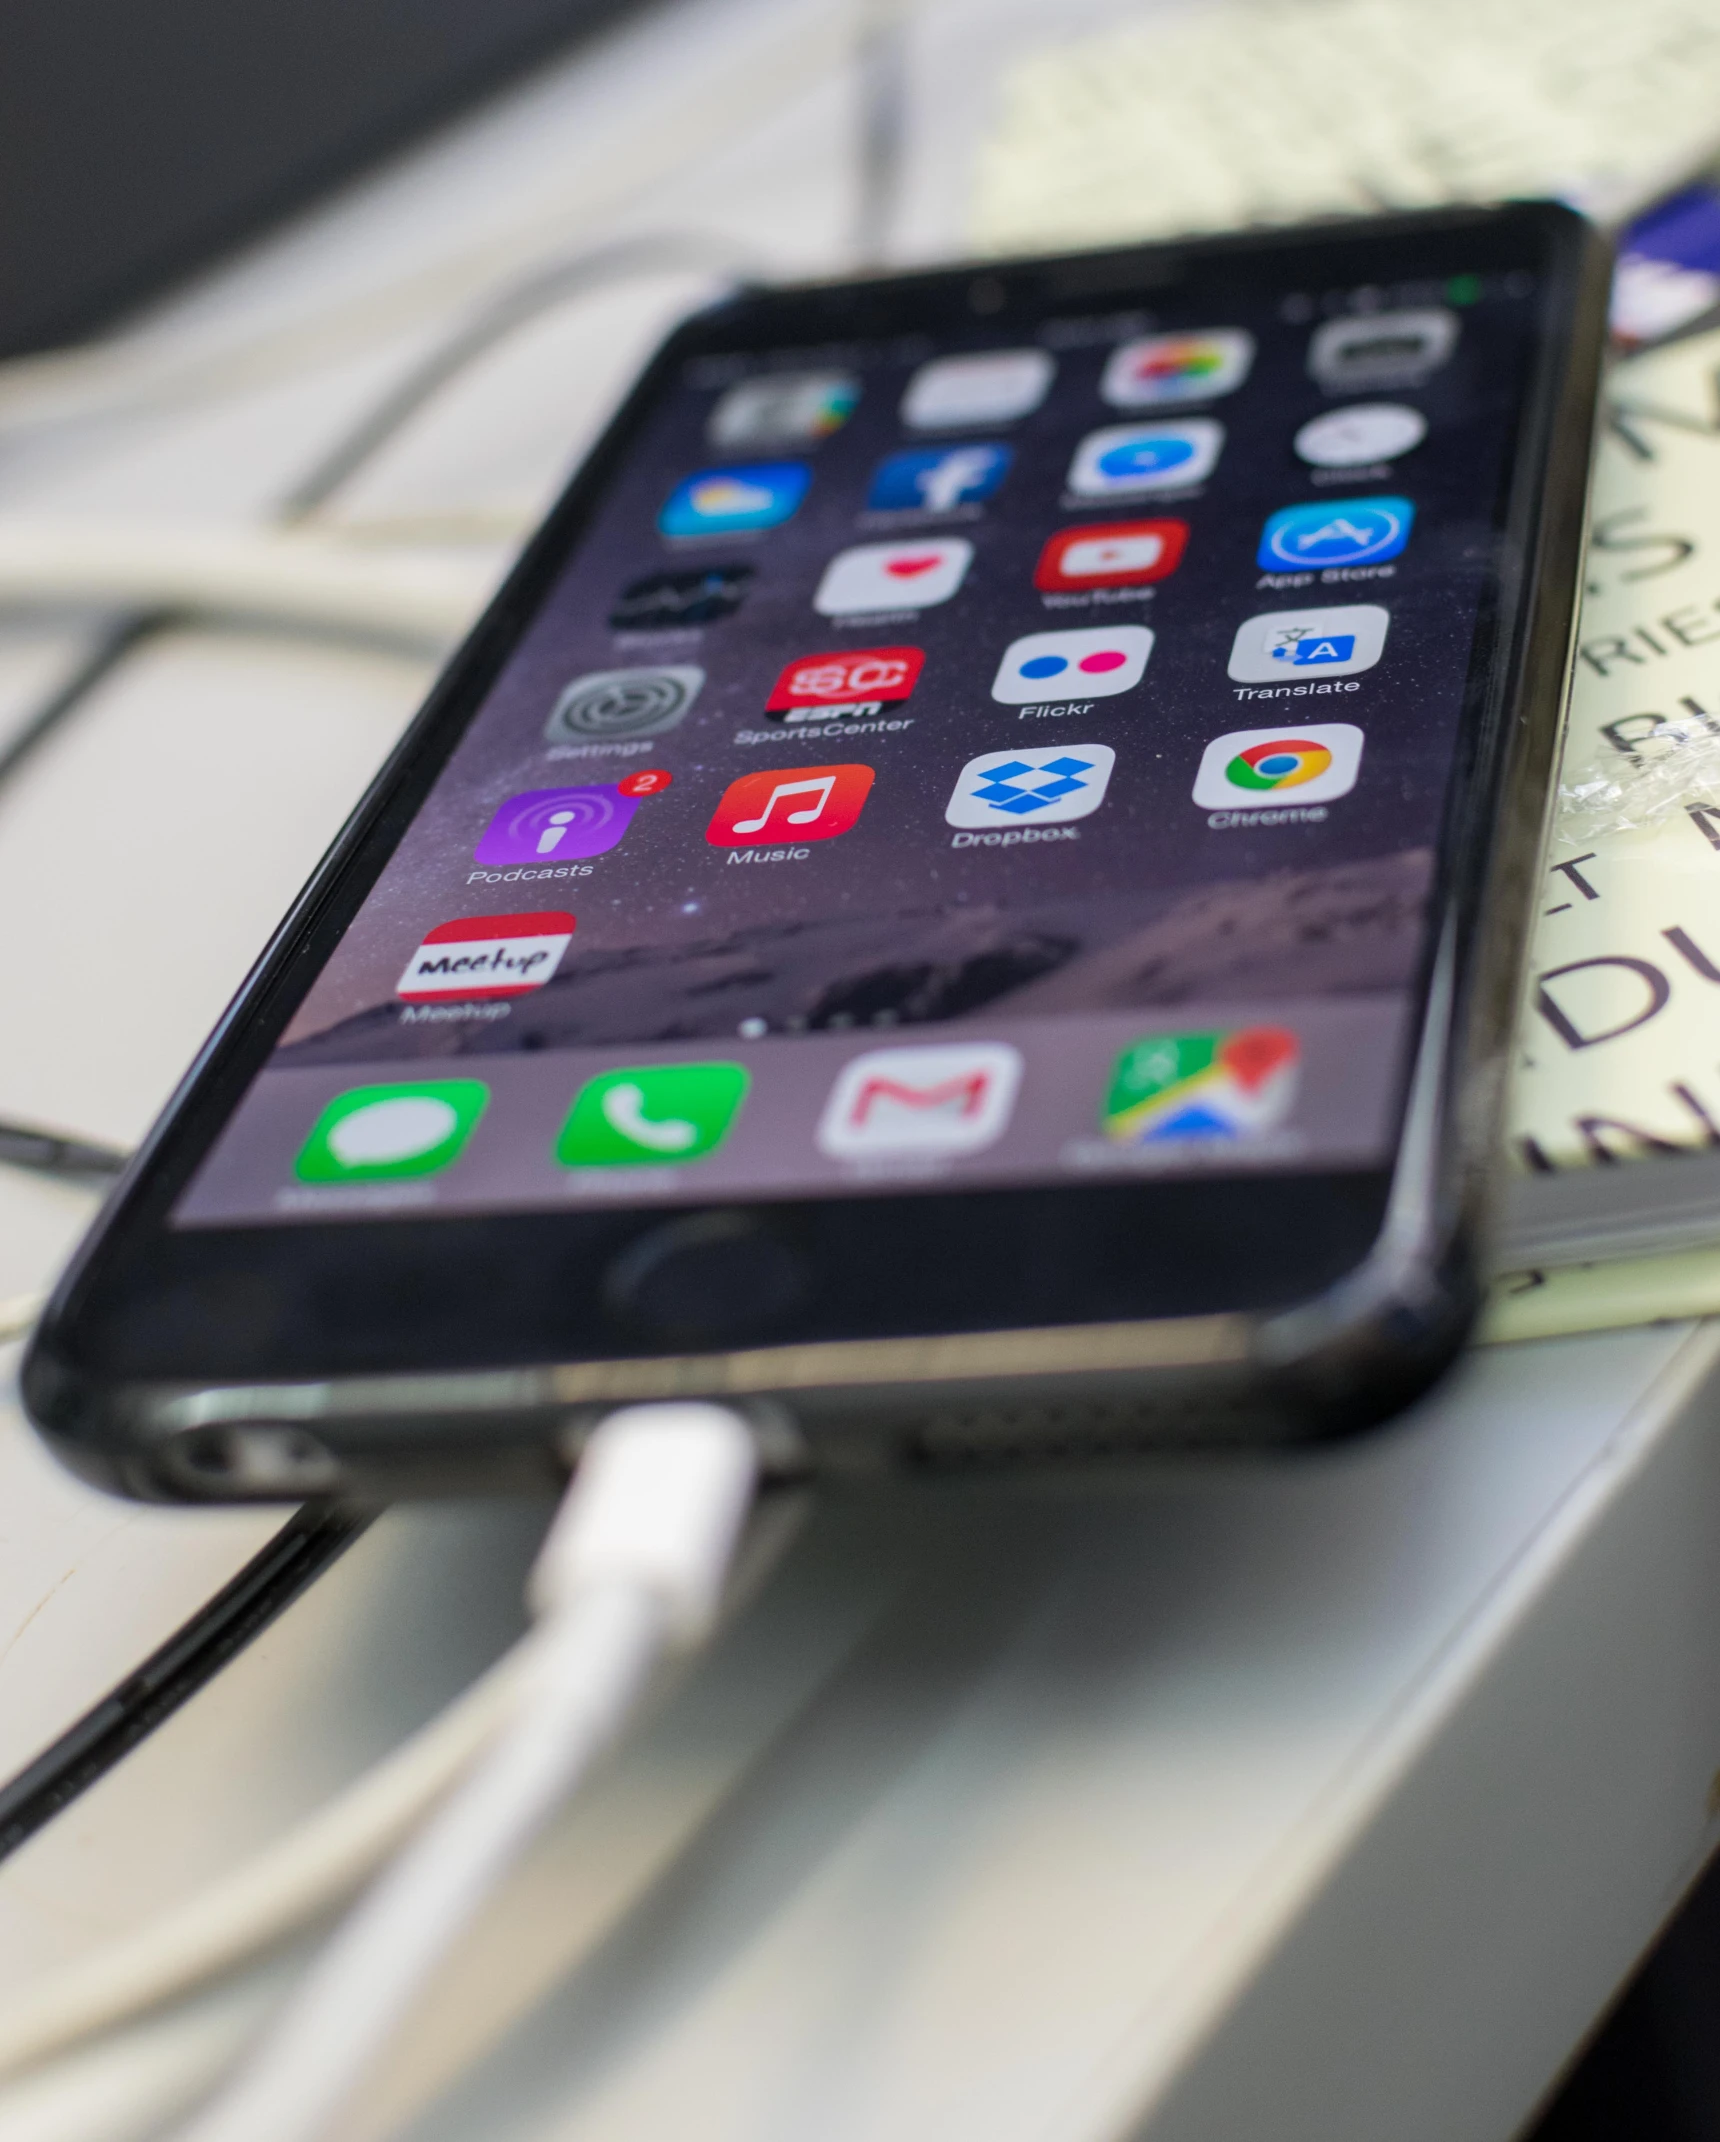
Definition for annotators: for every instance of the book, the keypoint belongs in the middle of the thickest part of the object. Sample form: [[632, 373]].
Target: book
[[1613, 1147]]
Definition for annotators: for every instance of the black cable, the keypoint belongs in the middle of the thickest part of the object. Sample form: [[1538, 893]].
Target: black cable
[[500, 316], [192, 1656]]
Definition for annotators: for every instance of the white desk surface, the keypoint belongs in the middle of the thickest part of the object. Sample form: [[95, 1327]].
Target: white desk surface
[[1258, 1799]]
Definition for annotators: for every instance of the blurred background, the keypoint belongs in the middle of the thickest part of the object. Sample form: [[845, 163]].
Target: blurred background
[[306, 310]]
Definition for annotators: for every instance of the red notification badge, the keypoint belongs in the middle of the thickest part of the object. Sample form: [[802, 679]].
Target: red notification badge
[[649, 781]]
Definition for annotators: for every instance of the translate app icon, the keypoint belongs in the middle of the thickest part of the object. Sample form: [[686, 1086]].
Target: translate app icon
[[385, 1133], [1341, 531], [1328, 643], [736, 501], [552, 825], [651, 1115], [937, 479]]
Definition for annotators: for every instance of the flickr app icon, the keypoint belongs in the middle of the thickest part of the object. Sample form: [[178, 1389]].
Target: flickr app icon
[[941, 1101]]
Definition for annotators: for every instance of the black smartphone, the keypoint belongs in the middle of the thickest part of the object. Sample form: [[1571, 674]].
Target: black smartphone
[[971, 885]]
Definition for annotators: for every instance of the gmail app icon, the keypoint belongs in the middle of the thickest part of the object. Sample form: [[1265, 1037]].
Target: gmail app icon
[[947, 1100]]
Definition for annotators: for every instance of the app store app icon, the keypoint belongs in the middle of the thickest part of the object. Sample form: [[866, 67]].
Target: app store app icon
[[1339, 531]]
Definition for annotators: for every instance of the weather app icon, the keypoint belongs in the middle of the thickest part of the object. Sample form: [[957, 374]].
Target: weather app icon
[[1340, 531], [759, 494], [1049, 786], [1127, 460], [1072, 665], [937, 479], [1252, 769]]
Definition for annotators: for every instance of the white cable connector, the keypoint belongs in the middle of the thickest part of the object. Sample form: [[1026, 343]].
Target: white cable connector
[[632, 1570]]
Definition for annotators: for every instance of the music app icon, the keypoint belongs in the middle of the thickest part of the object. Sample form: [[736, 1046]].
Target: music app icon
[[789, 804]]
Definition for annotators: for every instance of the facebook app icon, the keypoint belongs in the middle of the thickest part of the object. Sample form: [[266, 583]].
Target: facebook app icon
[[936, 479]]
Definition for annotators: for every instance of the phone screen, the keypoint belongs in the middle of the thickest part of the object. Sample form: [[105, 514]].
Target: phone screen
[[972, 758]]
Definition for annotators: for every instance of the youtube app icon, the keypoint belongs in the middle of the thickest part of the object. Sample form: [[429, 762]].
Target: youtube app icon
[[1110, 554], [851, 682]]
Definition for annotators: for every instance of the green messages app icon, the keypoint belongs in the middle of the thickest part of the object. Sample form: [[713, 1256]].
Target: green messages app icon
[[651, 1113], [375, 1134]]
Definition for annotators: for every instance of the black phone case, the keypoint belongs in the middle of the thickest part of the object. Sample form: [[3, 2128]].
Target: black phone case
[[165, 1395]]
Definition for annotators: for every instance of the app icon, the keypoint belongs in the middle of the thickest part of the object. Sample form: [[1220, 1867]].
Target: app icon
[[761, 494], [1382, 349], [1072, 665], [954, 1098], [487, 956], [664, 602], [1251, 769], [1197, 366], [1111, 554], [848, 683], [651, 1115], [994, 387], [1341, 531], [784, 409], [1329, 643], [789, 804], [1366, 431], [893, 576], [937, 479], [1128, 459], [550, 825], [1197, 1086], [1044, 787], [375, 1134], [623, 702]]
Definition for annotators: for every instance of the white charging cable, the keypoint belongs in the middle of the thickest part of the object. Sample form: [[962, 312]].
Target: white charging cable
[[632, 1571]]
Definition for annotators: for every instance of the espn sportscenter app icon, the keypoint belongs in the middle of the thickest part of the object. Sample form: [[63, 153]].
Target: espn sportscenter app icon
[[485, 956], [850, 682]]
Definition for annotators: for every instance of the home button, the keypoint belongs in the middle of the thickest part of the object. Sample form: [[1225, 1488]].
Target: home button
[[710, 1278]]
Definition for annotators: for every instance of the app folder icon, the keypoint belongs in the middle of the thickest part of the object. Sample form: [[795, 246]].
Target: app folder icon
[[946, 1100]]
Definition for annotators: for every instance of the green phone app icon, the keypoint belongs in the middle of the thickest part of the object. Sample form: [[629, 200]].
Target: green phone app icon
[[651, 1113], [375, 1134]]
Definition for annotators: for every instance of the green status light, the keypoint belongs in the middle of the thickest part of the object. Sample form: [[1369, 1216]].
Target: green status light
[[1463, 290]]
